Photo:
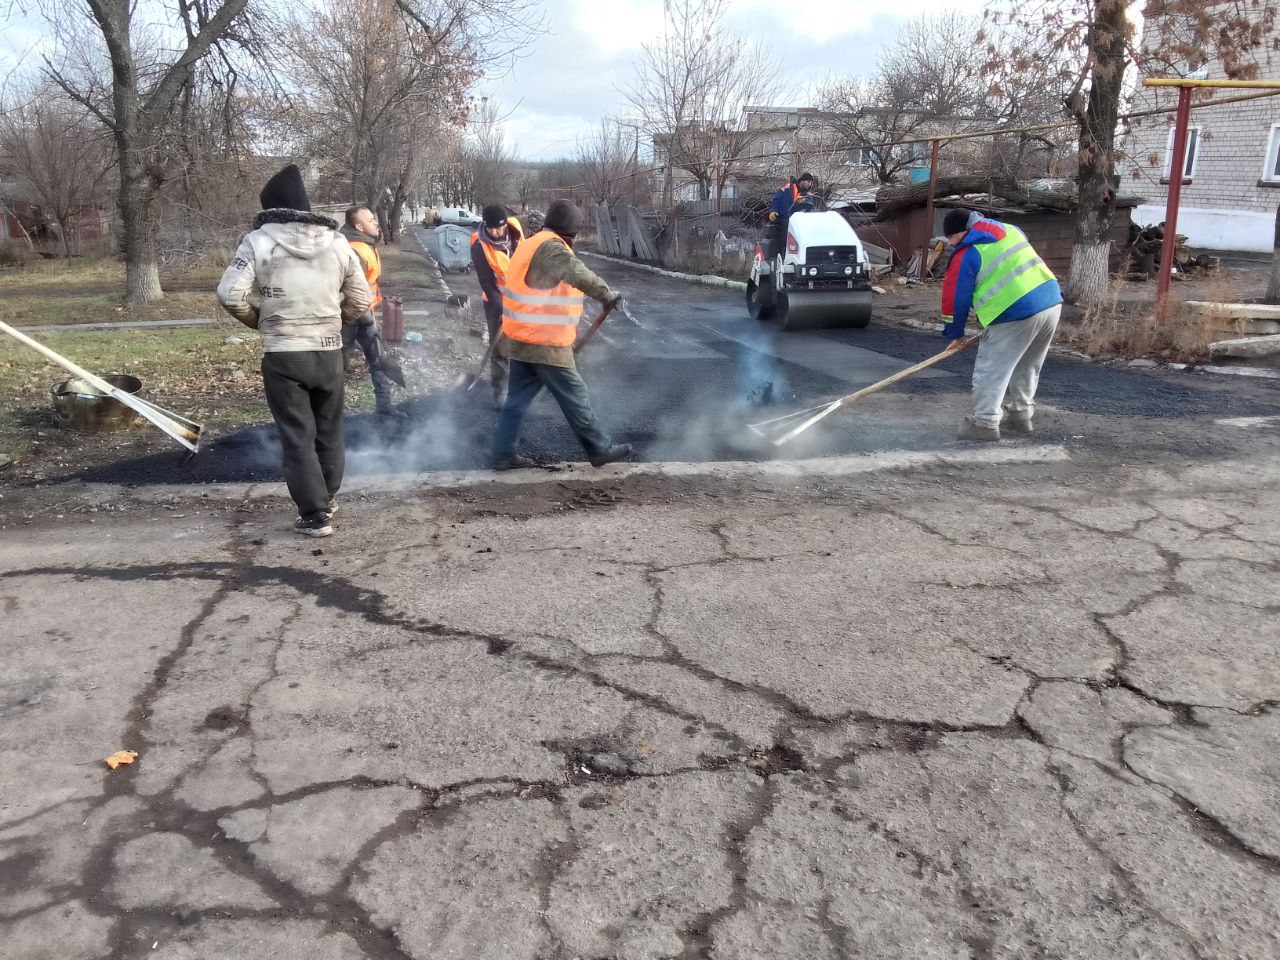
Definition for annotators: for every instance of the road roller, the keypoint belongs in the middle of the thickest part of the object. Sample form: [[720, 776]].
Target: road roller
[[821, 279]]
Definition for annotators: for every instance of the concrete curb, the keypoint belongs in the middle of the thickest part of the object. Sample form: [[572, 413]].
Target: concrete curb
[[192, 324], [817, 467], [689, 277]]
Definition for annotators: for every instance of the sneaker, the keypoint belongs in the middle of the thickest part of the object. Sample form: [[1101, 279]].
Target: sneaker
[[1018, 423], [514, 462], [976, 431], [616, 452], [313, 528]]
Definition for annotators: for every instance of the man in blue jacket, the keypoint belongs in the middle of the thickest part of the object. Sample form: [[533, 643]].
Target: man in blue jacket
[[794, 195], [995, 273]]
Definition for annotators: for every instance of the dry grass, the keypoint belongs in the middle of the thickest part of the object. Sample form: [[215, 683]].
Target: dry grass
[[87, 290], [194, 372], [1133, 330]]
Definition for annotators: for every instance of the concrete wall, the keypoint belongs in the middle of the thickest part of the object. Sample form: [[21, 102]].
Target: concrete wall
[[1240, 230]]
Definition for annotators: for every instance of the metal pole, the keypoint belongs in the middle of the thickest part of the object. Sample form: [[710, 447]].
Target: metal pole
[[1176, 166], [928, 216]]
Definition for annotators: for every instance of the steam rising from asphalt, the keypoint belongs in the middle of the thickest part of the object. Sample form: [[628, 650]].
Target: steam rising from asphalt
[[640, 397]]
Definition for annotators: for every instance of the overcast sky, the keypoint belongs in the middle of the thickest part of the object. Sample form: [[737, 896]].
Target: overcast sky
[[573, 75]]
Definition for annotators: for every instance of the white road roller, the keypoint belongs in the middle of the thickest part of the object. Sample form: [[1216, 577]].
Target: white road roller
[[821, 279]]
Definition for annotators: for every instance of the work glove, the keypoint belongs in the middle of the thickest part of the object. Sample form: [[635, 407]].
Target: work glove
[[613, 301], [773, 216]]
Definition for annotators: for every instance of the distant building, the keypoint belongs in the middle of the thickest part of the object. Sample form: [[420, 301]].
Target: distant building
[[1231, 183], [772, 144]]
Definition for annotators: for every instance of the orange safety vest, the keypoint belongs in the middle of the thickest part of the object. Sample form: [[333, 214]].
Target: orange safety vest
[[372, 268], [545, 317], [498, 259]]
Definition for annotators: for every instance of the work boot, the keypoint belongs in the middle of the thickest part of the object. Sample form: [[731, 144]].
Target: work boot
[[1018, 422], [514, 462], [972, 430], [387, 410], [616, 452], [320, 527]]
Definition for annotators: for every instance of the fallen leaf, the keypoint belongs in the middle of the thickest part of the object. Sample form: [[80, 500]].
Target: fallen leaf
[[121, 756]]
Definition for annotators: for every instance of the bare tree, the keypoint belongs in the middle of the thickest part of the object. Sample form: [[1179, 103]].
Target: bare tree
[[137, 100], [55, 149], [383, 88], [490, 164], [609, 163], [872, 119], [926, 82], [691, 87], [1190, 34]]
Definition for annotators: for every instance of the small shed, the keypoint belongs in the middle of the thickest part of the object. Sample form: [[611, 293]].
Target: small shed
[[1051, 230]]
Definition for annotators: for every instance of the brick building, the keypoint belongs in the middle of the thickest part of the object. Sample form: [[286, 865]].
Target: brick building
[[1231, 185]]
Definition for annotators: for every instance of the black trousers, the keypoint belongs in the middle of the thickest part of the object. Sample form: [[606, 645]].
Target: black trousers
[[305, 393], [365, 332], [497, 368]]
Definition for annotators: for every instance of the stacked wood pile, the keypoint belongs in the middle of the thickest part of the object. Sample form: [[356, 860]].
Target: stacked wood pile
[[621, 232]]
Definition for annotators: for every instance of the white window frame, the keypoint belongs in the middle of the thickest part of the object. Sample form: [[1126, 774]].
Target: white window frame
[[1272, 158], [1189, 172]]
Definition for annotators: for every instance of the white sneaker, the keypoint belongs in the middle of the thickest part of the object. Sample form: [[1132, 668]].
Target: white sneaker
[[313, 528]]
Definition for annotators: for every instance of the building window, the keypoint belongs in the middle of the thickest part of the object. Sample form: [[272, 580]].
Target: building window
[[1193, 154], [1271, 172]]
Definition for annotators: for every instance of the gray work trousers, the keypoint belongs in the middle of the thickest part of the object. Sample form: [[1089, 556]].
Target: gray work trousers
[[1007, 371]]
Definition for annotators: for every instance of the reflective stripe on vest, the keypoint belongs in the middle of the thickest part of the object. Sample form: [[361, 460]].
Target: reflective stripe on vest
[[1010, 270], [545, 317]]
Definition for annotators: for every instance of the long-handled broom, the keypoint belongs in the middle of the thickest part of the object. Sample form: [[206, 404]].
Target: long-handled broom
[[782, 429], [186, 432]]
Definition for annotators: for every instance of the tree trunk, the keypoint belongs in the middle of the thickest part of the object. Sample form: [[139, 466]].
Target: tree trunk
[[64, 224], [1273, 288], [137, 218], [1088, 282]]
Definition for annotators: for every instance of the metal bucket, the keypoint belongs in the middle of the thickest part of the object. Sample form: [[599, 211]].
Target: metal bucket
[[83, 407]]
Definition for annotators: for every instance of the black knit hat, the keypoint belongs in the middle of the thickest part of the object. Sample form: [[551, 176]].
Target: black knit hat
[[494, 215], [805, 176], [285, 190], [564, 219], [956, 221]]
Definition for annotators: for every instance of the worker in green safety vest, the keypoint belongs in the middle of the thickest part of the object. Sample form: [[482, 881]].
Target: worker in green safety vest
[[995, 273]]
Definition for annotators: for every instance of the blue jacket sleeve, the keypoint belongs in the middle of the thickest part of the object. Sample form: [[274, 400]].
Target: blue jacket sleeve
[[957, 293], [781, 202]]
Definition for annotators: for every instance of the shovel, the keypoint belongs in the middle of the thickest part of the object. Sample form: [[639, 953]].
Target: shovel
[[186, 432], [596, 324], [782, 429]]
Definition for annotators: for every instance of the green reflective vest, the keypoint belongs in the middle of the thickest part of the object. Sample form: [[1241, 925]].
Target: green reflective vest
[[1010, 270]]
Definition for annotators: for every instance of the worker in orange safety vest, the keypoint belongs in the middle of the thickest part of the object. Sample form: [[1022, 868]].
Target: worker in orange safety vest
[[542, 301], [491, 248]]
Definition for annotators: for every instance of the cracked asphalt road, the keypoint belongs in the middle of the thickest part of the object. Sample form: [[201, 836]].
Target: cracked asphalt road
[[963, 711]]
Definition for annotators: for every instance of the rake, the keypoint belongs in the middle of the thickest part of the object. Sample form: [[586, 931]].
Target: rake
[[186, 432], [780, 430]]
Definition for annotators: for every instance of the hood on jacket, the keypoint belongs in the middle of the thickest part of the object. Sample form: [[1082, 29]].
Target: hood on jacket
[[984, 231], [304, 235], [356, 236]]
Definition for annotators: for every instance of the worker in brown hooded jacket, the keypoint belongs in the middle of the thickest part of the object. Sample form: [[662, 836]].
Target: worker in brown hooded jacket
[[542, 298]]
